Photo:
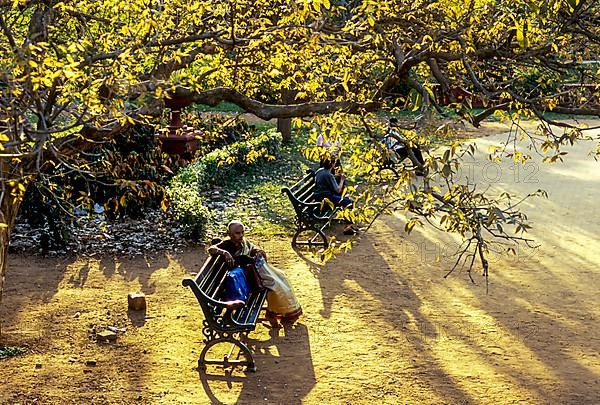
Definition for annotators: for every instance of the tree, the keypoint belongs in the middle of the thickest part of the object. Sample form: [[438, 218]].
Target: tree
[[74, 74]]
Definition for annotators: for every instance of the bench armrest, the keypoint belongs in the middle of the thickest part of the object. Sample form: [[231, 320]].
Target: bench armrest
[[202, 297]]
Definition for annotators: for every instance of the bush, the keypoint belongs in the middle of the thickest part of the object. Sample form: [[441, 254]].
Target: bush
[[215, 168], [128, 177], [137, 174], [11, 351], [222, 164], [188, 210]]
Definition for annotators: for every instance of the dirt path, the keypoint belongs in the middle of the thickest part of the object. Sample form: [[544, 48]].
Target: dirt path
[[381, 325]]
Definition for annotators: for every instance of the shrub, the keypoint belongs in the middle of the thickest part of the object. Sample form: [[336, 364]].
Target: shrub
[[137, 174], [188, 210], [186, 204], [128, 177], [11, 351], [222, 164]]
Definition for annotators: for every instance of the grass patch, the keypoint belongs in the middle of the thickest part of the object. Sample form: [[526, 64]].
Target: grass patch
[[11, 351], [565, 117]]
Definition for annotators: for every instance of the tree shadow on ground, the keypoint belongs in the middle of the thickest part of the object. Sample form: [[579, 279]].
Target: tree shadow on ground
[[372, 290], [30, 282], [536, 327], [55, 307], [111, 266]]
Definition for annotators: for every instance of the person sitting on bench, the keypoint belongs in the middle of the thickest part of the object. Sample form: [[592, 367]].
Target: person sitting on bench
[[281, 300], [400, 148], [326, 186]]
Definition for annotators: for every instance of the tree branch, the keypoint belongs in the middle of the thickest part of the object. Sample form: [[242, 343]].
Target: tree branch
[[268, 111], [476, 120], [177, 41]]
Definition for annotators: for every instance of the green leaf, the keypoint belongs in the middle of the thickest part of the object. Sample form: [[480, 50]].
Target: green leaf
[[572, 4], [446, 170]]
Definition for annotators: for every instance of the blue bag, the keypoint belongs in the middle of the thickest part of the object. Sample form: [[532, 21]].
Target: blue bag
[[236, 285]]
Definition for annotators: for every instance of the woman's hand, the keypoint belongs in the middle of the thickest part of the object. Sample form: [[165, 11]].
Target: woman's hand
[[227, 256], [262, 253]]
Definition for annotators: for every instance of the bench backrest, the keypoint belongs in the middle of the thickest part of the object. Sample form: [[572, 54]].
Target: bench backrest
[[308, 209], [304, 189], [207, 286], [301, 193]]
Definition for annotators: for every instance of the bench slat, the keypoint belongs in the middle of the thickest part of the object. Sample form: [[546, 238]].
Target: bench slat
[[307, 194], [308, 179], [214, 280], [250, 312]]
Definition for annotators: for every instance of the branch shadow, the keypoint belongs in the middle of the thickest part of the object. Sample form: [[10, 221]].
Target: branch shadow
[[536, 326], [365, 278], [56, 305]]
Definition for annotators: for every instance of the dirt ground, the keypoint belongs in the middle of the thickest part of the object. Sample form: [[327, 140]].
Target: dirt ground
[[381, 325]]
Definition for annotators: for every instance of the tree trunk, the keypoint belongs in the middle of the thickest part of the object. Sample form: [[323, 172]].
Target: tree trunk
[[284, 125], [9, 206]]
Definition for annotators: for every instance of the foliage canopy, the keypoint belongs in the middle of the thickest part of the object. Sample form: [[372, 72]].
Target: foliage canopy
[[75, 74]]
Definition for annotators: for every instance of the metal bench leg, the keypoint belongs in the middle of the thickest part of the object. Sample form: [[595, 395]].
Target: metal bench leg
[[227, 361], [310, 237]]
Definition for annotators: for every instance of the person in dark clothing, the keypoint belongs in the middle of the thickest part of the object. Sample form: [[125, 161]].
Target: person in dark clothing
[[282, 304], [326, 186], [401, 149]]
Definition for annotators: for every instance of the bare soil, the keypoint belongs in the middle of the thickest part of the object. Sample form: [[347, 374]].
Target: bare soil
[[381, 325]]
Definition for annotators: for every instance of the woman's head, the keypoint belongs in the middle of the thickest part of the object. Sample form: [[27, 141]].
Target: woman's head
[[235, 230], [326, 163]]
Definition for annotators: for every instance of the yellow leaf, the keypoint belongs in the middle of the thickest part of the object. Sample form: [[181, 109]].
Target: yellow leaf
[[164, 205]]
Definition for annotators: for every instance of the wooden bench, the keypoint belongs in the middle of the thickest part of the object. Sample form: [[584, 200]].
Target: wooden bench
[[224, 323], [312, 217]]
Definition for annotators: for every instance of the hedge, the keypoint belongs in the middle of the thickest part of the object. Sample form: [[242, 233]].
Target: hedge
[[215, 169]]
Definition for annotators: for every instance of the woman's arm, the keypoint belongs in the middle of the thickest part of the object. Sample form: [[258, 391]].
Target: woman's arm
[[255, 250], [217, 250]]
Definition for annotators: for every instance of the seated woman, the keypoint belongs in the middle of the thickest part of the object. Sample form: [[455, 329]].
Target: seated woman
[[281, 300], [400, 148], [326, 186]]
